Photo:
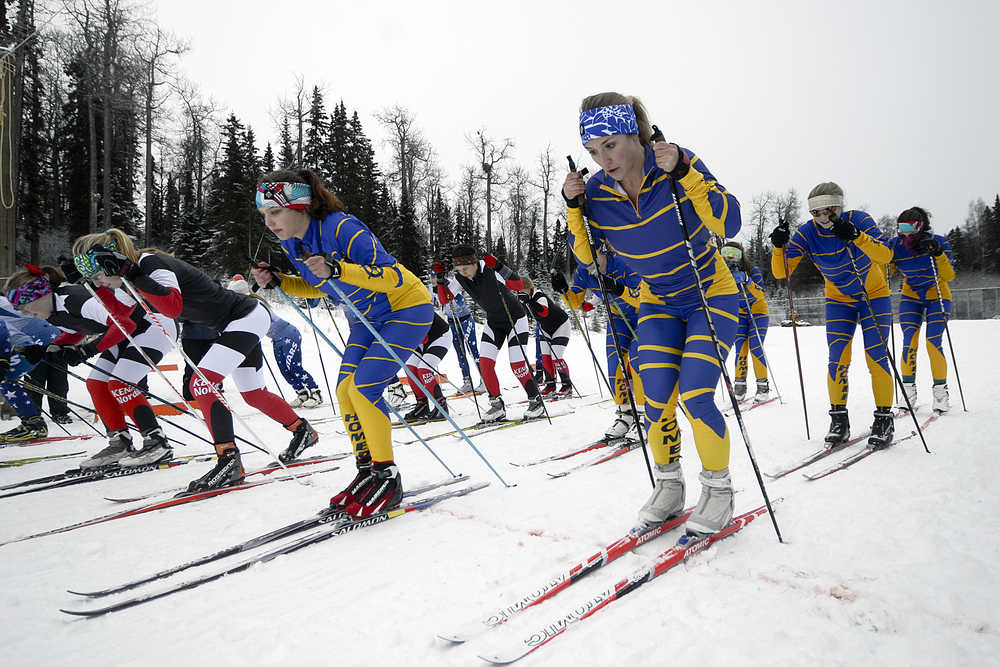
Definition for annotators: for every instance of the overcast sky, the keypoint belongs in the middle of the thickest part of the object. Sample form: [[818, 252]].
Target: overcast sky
[[896, 101]]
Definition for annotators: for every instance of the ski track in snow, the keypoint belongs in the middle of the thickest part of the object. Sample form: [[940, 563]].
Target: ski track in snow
[[891, 562]]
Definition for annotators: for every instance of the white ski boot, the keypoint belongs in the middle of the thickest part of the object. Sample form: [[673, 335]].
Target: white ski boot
[[624, 421], [535, 408], [395, 395], [667, 499], [119, 446], [910, 391], [763, 391], [941, 402], [740, 389], [301, 396], [315, 399], [497, 411], [715, 507], [155, 449]]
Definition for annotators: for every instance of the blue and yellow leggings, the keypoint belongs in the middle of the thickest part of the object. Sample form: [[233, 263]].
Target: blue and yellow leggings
[[367, 369], [841, 321], [677, 359], [747, 339], [630, 344], [912, 312]]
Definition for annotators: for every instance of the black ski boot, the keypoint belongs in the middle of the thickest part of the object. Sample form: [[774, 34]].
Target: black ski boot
[[228, 471], [882, 428], [357, 488], [435, 415], [384, 493], [840, 426], [418, 415], [303, 436], [31, 428]]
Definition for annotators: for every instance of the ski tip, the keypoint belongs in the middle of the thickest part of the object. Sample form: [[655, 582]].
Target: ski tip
[[72, 612], [83, 595], [452, 638]]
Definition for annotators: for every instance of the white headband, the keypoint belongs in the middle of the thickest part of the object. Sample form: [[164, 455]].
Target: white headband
[[825, 201]]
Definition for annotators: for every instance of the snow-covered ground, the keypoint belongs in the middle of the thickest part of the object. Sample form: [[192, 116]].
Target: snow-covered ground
[[893, 562]]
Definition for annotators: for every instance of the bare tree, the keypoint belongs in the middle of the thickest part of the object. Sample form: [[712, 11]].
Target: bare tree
[[546, 170], [518, 205], [411, 151], [199, 116], [491, 158]]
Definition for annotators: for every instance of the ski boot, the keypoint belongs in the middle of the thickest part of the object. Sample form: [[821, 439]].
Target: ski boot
[[301, 396], [383, 493], [740, 388], [840, 426], [155, 449], [62, 418], [396, 395], [315, 399], [466, 387], [763, 391], [667, 499], [624, 421], [418, 415], [228, 470], [714, 510], [536, 408], [435, 415], [564, 390], [357, 488], [941, 402], [31, 428], [303, 436], [882, 428], [910, 391], [548, 388], [497, 411], [119, 446]]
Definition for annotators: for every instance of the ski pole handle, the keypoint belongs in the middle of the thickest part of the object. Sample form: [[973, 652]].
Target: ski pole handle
[[576, 202]]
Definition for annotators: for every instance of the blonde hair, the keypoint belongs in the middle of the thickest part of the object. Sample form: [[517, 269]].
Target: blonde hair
[[23, 277], [607, 99], [528, 285], [113, 234]]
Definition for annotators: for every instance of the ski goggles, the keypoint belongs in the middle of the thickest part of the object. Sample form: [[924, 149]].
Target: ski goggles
[[607, 121], [910, 227], [284, 195], [29, 292], [86, 264], [731, 253]]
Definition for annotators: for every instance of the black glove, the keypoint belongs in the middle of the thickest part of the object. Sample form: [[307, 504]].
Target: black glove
[[74, 355], [4, 368], [69, 269], [930, 246], [438, 269], [333, 264], [522, 297], [559, 283], [33, 353], [845, 230], [611, 286], [780, 236], [114, 263]]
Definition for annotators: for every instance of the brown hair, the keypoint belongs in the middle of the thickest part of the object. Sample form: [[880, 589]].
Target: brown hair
[[528, 285], [120, 238], [23, 277], [916, 213], [324, 202], [607, 99], [744, 262]]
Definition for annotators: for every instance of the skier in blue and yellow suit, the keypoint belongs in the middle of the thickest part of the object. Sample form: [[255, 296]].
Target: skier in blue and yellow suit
[[630, 207], [827, 239], [328, 247], [623, 295], [913, 250], [750, 333]]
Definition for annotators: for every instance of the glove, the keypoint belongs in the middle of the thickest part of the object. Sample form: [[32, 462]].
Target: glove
[[930, 246], [113, 263], [845, 230], [69, 269], [611, 286], [438, 269], [559, 283], [587, 307], [33, 353], [740, 277], [490, 261], [523, 298], [74, 355], [780, 236], [4, 368]]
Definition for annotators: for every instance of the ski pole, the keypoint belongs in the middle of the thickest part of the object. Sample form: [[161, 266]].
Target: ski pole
[[273, 376], [795, 332], [543, 336], [892, 334], [946, 315], [62, 399], [461, 349], [322, 364], [614, 336], [602, 380], [720, 357], [211, 385], [885, 345]]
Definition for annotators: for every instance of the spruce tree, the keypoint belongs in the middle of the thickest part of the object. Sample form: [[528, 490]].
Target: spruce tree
[[286, 157], [314, 154], [267, 161], [227, 218]]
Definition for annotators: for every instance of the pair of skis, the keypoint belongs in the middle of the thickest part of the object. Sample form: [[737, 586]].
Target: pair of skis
[[43, 441], [538, 636], [16, 463], [324, 525]]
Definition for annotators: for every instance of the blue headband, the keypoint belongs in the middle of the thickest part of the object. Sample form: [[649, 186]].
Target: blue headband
[[606, 121]]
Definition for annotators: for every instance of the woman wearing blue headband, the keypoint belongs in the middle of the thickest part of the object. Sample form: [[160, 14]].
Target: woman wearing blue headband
[[329, 247], [629, 205], [837, 242], [913, 251]]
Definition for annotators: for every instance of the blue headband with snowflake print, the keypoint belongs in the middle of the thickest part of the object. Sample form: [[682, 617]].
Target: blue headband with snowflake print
[[606, 121], [285, 195]]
